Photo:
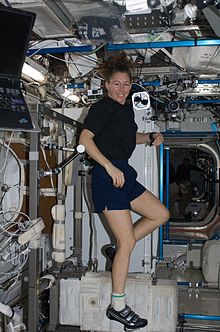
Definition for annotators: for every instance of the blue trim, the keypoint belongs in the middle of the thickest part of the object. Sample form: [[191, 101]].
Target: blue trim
[[153, 83], [214, 127], [202, 101], [162, 44], [158, 83], [208, 81], [187, 283], [207, 42], [183, 283], [167, 188], [112, 47], [161, 171], [161, 199], [76, 86], [189, 134], [53, 50], [183, 241], [199, 317]]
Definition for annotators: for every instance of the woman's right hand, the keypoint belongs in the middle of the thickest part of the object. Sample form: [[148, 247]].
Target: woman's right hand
[[116, 174]]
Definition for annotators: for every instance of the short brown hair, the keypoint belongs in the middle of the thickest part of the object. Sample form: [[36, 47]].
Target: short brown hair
[[114, 64]]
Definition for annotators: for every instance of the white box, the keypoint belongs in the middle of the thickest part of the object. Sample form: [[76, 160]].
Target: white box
[[211, 260], [157, 303], [69, 313], [83, 303]]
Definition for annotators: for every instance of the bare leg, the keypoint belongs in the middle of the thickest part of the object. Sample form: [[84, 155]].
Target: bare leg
[[121, 225], [154, 214], [153, 211]]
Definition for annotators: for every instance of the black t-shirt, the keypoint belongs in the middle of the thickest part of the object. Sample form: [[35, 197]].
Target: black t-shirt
[[114, 128]]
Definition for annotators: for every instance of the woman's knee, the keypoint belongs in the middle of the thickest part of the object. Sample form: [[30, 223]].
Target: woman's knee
[[164, 214], [127, 245]]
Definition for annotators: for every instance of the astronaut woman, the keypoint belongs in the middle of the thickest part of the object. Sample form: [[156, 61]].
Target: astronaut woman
[[109, 136]]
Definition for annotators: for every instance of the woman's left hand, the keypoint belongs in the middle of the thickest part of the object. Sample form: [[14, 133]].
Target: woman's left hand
[[158, 139]]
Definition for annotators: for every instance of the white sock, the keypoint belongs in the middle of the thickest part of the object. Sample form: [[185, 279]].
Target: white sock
[[118, 301]]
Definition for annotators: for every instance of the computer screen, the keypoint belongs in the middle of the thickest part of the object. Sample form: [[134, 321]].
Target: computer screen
[[15, 31]]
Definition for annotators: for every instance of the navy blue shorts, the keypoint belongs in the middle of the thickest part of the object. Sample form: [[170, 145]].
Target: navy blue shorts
[[106, 196]]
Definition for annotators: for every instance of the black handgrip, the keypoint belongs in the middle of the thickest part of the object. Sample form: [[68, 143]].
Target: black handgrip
[[151, 138]]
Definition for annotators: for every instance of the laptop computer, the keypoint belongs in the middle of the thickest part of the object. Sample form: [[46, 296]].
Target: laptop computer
[[15, 31]]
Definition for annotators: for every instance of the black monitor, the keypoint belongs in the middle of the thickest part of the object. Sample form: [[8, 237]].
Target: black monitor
[[15, 31]]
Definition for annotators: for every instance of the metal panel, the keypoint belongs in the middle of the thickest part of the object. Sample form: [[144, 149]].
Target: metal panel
[[53, 19]]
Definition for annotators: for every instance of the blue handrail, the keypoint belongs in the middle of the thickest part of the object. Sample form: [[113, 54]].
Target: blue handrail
[[161, 199], [199, 317], [167, 188]]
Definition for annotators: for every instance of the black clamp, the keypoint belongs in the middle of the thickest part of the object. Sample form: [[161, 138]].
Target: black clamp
[[151, 138]]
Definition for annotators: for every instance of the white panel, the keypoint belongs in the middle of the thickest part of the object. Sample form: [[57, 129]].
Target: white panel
[[164, 310], [69, 302], [94, 298], [158, 303]]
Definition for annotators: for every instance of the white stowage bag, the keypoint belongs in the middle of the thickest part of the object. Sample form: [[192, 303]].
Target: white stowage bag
[[58, 234], [12, 179], [199, 59], [211, 260]]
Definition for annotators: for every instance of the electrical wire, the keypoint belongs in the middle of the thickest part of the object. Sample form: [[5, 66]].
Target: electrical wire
[[41, 48], [90, 225], [157, 55], [7, 3], [17, 272], [97, 75], [18, 213], [48, 166], [93, 230], [73, 63], [2, 198], [67, 61], [7, 151], [13, 257], [142, 64], [7, 227], [87, 57], [217, 141], [97, 48], [6, 243], [15, 260], [4, 229]]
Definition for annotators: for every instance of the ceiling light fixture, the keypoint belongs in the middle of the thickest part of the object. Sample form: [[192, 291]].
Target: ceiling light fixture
[[32, 74], [136, 5]]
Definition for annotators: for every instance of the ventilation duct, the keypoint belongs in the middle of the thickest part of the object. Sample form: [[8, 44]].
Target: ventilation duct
[[53, 18]]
